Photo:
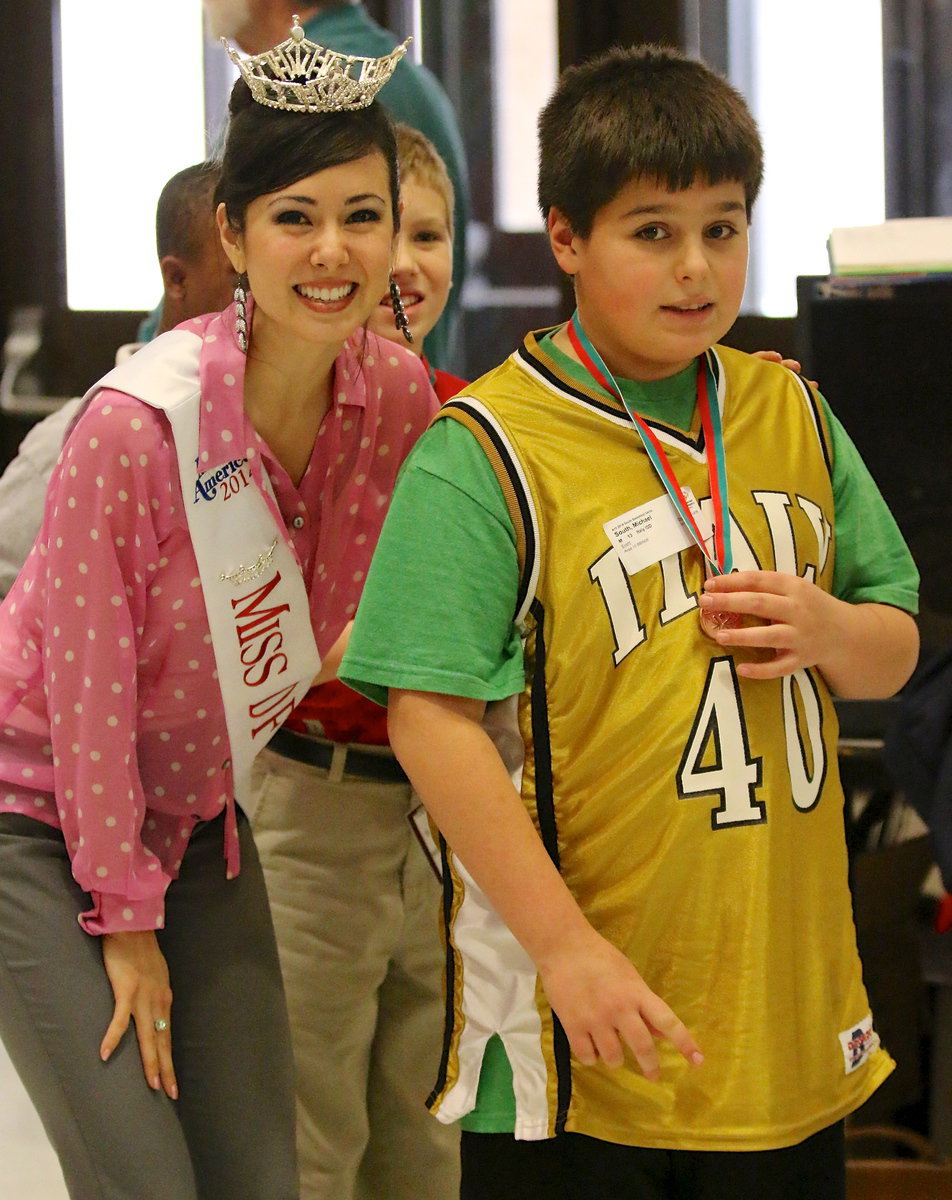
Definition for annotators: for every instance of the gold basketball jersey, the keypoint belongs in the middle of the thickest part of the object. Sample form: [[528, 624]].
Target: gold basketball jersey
[[695, 815]]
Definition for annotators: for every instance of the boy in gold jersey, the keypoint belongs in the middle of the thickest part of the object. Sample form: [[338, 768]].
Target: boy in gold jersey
[[621, 577]]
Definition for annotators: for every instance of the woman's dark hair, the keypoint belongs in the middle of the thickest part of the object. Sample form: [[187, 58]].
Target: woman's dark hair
[[267, 149], [641, 112]]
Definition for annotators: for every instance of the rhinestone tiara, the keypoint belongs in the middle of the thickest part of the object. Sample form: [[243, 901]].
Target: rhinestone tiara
[[301, 76]]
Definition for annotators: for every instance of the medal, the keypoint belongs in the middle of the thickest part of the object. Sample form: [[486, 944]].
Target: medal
[[719, 559], [713, 623]]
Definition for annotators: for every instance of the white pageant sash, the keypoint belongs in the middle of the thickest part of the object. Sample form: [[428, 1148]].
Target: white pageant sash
[[254, 592]]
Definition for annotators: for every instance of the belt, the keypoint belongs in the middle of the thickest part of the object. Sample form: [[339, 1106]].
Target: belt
[[364, 764]]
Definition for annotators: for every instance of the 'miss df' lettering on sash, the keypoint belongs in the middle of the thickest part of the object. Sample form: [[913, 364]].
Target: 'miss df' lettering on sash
[[254, 593]]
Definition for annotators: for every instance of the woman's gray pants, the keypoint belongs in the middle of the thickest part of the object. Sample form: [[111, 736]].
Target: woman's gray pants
[[230, 1136]]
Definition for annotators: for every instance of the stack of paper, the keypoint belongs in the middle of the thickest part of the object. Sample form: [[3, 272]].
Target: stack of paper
[[903, 246]]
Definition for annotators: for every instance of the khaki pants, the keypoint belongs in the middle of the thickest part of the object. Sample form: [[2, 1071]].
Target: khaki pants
[[356, 912]]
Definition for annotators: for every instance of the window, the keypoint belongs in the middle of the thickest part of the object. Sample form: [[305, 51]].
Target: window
[[813, 74], [518, 95], [132, 115]]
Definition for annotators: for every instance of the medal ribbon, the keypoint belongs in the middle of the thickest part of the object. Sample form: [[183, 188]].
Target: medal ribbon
[[722, 561]]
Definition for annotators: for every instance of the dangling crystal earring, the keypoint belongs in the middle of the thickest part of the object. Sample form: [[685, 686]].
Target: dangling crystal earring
[[399, 314], [241, 321]]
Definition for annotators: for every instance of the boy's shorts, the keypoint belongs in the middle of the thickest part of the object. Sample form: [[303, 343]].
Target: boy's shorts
[[576, 1167]]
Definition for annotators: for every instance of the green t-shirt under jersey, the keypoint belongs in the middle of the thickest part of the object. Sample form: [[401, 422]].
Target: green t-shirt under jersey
[[436, 612]]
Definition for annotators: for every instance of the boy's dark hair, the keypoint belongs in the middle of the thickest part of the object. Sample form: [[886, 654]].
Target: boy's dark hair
[[641, 112]]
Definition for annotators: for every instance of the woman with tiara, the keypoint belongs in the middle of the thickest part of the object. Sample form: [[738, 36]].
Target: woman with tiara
[[205, 534]]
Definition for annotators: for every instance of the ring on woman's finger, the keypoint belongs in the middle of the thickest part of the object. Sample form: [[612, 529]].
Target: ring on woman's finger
[[160, 1024]]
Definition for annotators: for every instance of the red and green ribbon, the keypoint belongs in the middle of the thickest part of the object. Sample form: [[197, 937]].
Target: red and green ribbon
[[722, 559]]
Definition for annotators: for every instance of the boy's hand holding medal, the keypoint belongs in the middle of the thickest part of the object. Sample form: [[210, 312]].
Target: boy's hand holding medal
[[788, 616]]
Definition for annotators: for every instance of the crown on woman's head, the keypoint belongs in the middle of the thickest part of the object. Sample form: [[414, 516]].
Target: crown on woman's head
[[302, 76]]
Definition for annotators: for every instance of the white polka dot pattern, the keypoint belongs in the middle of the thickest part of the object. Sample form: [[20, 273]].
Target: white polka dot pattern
[[106, 627]]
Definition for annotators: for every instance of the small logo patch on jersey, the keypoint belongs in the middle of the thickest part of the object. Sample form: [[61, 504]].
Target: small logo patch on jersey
[[858, 1042]]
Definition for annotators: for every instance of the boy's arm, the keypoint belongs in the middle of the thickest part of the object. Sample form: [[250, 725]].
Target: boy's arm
[[863, 651], [598, 995]]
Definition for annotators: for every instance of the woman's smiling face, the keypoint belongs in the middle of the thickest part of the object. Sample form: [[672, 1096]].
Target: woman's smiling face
[[318, 252]]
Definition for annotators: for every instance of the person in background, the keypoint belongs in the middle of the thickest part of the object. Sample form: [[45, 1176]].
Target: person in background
[[353, 893], [173, 610], [621, 577], [423, 265], [414, 96], [196, 278]]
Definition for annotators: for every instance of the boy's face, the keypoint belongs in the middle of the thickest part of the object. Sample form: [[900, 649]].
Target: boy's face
[[423, 264], [661, 276]]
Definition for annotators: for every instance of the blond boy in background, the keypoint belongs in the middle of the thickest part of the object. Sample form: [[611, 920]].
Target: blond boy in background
[[423, 261]]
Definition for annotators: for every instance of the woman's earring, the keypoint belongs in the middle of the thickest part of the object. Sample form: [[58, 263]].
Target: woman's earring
[[241, 320], [399, 314]]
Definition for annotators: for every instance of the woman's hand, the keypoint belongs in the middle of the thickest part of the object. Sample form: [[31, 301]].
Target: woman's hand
[[140, 983], [791, 364], [775, 356], [605, 1005]]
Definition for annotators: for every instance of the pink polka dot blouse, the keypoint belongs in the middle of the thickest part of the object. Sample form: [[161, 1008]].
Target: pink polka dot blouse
[[111, 722]]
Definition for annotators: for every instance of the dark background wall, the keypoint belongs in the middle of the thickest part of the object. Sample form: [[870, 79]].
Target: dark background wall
[[917, 54]]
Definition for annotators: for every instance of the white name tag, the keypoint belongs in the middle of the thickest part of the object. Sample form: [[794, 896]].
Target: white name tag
[[646, 535]]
